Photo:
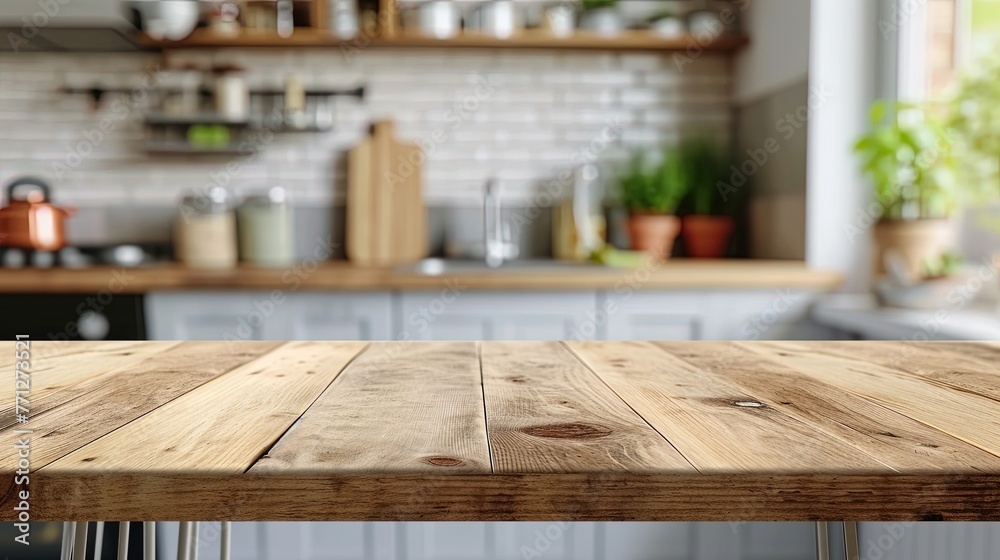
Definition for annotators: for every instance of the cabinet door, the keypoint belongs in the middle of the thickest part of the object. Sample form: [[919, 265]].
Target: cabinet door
[[495, 316], [268, 316], [340, 316], [211, 316], [448, 541], [648, 541], [652, 315], [756, 315], [703, 315]]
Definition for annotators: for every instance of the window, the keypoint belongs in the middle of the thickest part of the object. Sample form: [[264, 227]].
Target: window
[[939, 37]]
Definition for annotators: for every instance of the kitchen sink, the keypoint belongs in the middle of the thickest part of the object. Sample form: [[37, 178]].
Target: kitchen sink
[[438, 267]]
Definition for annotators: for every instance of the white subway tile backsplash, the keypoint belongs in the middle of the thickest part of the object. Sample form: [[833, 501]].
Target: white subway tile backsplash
[[642, 97], [520, 115]]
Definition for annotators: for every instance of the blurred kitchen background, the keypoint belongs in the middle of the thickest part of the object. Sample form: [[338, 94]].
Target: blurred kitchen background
[[506, 169]]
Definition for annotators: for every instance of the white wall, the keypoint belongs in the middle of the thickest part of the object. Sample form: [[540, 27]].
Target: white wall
[[844, 64], [778, 56]]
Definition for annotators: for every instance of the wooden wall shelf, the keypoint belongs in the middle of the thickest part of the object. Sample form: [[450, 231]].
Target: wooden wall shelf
[[630, 40]]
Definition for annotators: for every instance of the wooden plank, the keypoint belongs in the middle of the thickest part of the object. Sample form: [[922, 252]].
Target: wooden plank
[[967, 366], [812, 496], [226, 424], [397, 408], [53, 348], [58, 369], [715, 425], [969, 417], [546, 412], [124, 394], [892, 438]]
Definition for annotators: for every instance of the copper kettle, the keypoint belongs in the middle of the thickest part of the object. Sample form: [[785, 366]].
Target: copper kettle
[[32, 222]]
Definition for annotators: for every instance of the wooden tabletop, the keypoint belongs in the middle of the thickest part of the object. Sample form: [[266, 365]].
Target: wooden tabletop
[[509, 431], [342, 276]]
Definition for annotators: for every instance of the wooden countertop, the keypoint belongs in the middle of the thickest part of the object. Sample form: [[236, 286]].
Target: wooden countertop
[[509, 431], [334, 276]]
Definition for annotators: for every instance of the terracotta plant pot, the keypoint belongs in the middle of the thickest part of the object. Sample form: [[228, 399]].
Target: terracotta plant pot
[[915, 241], [707, 237], [654, 233]]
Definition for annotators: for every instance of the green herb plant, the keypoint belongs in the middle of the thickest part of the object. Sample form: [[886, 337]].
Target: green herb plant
[[655, 188], [908, 154], [707, 162]]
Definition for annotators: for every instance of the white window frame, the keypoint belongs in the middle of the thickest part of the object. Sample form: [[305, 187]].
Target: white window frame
[[910, 58]]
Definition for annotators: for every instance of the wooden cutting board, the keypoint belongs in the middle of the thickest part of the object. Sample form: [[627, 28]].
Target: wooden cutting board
[[386, 217]]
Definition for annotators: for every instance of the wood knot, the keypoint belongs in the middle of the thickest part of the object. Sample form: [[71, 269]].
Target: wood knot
[[443, 461], [570, 430], [516, 379]]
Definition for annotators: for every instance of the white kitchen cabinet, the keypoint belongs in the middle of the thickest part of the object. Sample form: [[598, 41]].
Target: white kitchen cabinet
[[701, 315], [756, 315], [271, 315], [449, 541], [346, 316], [207, 316], [495, 316], [651, 315]]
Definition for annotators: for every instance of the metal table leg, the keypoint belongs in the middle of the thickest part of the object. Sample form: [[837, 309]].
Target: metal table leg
[[851, 540], [98, 540], [184, 541], [69, 530], [224, 547], [853, 550], [80, 541], [123, 540], [822, 541], [193, 554], [149, 540]]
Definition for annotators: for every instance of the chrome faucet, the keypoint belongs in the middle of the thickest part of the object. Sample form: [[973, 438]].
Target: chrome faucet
[[496, 232]]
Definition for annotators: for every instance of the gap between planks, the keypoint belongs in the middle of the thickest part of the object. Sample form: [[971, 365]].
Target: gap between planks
[[166, 446], [486, 414], [628, 404], [320, 394]]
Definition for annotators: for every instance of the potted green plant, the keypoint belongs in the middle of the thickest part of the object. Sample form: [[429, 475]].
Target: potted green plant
[[651, 191], [907, 153], [601, 16], [707, 230]]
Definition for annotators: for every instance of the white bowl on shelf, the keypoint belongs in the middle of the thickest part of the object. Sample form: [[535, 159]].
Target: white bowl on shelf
[[167, 19]]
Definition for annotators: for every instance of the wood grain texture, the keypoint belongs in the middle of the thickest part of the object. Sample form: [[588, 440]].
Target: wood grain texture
[[969, 417], [967, 366], [59, 368], [344, 276], [894, 439], [397, 408], [64, 424], [226, 424], [512, 497], [403, 431], [715, 425], [547, 412]]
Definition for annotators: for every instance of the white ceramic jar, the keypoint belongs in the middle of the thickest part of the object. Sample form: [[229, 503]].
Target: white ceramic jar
[[205, 231], [266, 229]]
